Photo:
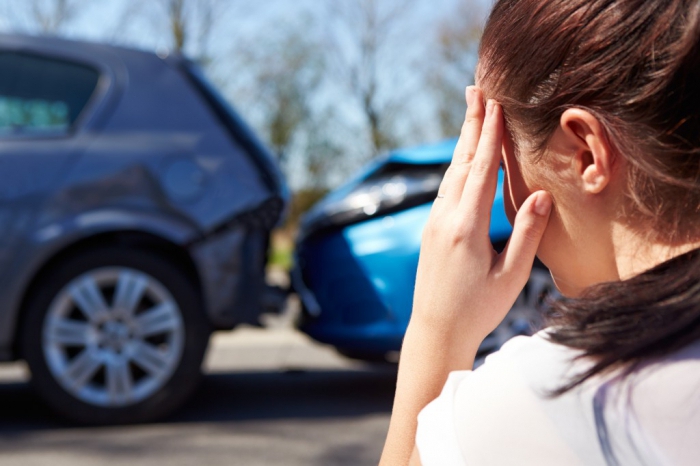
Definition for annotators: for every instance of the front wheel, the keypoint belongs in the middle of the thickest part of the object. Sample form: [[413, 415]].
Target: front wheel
[[526, 314], [114, 336]]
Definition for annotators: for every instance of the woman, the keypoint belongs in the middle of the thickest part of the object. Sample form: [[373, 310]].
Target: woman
[[592, 108]]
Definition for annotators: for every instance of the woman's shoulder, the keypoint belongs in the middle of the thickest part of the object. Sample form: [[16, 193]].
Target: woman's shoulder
[[522, 349], [504, 401], [655, 412], [541, 363], [509, 399]]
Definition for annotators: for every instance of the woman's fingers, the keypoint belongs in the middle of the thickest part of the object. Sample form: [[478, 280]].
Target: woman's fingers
[[480, 187], [515, 262], [453, 182], [471, 128]]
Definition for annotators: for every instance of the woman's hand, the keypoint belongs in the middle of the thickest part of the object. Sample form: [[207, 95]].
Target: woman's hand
[[463, 288], [462, 283]]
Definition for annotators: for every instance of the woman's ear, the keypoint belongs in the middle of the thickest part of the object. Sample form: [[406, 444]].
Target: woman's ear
[[592, 152]]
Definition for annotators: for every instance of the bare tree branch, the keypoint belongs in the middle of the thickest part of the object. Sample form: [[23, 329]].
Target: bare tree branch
[[177, 22], [44, 16], [455, 61], [363, 32], [190, 24]]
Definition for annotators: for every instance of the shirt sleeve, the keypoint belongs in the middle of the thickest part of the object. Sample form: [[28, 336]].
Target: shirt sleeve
[[436, 437]]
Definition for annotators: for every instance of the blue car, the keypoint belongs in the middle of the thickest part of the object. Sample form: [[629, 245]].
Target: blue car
[[357, 255]]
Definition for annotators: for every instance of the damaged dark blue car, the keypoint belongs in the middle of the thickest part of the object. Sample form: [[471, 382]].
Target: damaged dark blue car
[[135, 216]]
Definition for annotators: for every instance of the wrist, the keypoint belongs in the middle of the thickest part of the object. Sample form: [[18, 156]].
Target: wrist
[[442, 343]]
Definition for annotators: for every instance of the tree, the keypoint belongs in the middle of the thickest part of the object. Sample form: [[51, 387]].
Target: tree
[[44, 16], [366, 37], [276, 78], [190, 24], [287, 75], [457, 40], [325, 160]]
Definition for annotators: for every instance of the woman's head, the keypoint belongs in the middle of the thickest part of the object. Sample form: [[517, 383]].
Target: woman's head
[[602, 102]]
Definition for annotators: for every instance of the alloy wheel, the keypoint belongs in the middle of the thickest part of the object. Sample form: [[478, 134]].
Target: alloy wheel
[[113, 336]]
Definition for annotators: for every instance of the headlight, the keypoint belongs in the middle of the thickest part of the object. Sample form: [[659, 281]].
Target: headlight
[[391, 188]]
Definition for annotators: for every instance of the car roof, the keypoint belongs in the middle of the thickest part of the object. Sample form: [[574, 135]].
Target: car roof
[[61, 46]]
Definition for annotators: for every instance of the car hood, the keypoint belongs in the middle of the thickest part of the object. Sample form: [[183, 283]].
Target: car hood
[[437, 154]]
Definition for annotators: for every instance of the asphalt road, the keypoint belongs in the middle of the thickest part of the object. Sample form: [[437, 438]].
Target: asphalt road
[[269, 397]]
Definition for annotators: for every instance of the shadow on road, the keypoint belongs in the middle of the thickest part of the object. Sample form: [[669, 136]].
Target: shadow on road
[[239, 396]]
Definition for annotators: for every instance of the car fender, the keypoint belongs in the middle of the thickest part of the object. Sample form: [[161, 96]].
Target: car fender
[[51, 239]]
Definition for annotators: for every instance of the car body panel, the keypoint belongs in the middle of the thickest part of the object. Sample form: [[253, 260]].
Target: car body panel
[[149, 153], [360, 277]]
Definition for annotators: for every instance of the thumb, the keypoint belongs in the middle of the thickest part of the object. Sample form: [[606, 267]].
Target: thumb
[[530, 222]]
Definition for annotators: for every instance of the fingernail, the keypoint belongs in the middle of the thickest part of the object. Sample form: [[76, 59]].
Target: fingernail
[[543, 204], [489, 107], [470, 95]]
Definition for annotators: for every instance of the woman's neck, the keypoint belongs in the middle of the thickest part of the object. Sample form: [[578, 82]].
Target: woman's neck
[[635, 253]]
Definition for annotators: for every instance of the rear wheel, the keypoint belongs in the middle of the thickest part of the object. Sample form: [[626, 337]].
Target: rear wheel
[[114, 336]]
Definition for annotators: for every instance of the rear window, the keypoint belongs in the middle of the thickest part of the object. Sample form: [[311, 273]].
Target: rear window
[[41, 96]]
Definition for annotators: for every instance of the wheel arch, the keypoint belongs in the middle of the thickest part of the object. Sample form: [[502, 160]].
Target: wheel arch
[[169, 250]]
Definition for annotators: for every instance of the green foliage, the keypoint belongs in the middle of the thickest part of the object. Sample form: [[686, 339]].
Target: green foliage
[[282, 245], [281, 255]]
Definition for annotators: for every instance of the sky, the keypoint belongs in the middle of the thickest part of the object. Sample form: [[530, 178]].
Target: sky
[[142, 24]]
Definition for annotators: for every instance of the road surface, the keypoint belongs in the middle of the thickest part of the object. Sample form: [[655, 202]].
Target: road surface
[[269, 397]]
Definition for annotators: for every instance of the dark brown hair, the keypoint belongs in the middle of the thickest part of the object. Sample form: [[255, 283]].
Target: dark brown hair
[[635, 65]]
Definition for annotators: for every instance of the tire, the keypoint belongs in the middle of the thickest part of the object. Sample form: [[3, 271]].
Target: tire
[[134, 356]]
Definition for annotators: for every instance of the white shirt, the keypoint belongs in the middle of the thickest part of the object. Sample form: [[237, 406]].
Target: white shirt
[[501, 413]]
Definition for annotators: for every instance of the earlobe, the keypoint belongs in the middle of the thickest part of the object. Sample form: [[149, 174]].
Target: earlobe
[[594, 181]]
